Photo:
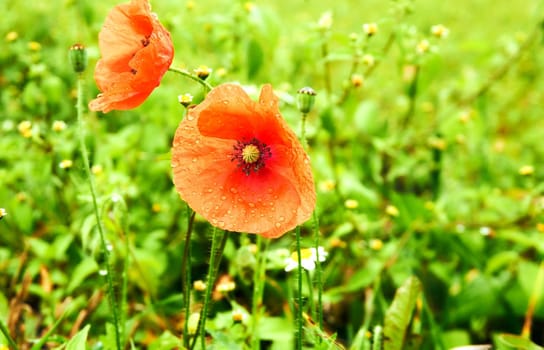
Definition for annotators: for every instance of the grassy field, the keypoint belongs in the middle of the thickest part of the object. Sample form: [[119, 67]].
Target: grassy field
[[425, 143]]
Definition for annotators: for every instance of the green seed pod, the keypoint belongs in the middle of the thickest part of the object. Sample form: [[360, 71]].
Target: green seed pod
[[78, 58], [305, 99]]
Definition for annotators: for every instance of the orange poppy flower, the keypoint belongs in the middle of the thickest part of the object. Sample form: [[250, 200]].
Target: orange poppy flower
[[237, 163], [136, 52]]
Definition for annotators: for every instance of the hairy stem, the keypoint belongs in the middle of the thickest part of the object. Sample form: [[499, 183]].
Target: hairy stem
[[105, 251]]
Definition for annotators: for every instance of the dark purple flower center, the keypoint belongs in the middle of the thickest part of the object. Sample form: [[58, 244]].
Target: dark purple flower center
[[251, 155]]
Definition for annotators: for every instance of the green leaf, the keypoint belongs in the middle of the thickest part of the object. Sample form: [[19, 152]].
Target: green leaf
[[516, 342], [166, 341], [398, 315], [78, 342]]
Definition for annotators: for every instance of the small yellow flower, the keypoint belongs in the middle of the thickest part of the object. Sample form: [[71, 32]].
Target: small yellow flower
[[440, 31], [156, 207], [327, 185], [249, 6], [97, 169], [351, 204], [58, 125], [540, 227], [391, 210], [185, 99], [34, 46], [437, 143], [20, 196], [357, 80], [190, 5], [225, 284], [368, 60], [429, 205], [66, 164], [423, 46], [203, 72], [221, 72], [199, 285], [325, 21], [253, 248], [375, 244], [3, 213], [337, 243], [370, 28], [465, 116], [25, 128], [12, 36], [526, 170], [238, 316]]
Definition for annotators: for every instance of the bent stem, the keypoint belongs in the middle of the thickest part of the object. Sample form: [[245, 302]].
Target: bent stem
[[318, 274], [105, 251], [207, 87]]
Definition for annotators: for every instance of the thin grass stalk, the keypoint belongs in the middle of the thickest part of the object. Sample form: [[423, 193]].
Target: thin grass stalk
[[299, 292], [533, 300], [8, 337], [85, 156], [318, 273]]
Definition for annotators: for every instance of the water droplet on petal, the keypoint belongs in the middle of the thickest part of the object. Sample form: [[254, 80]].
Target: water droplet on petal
[[278, 224], [194, 160], [281, 218], [190, 117], [233, 190], [223, 198], [251, 205]]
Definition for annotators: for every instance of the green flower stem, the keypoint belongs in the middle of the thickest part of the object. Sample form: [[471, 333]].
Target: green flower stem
[[318, 273], [258, 288], [299, 292], [219, 239], [187, 271], [8, 337], [186, 74], [85, 156]]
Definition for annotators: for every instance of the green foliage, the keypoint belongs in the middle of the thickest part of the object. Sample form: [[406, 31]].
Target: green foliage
[[399, 314], [428, 177]]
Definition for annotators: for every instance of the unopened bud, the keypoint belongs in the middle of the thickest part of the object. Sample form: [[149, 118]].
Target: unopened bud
[[305, 99], [78, 57]]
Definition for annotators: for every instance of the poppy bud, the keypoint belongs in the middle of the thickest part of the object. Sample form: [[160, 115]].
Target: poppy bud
[[305, 99], [78, 57]]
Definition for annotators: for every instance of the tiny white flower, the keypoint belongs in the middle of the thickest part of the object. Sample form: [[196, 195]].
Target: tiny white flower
[[308, 258]]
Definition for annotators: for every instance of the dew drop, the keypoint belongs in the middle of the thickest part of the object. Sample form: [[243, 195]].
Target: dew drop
[[194, 160], [221, 223], [278, 224], [233, 190], [102, 272], [216, 207], [223, 198], [251, 205], [225, 102], [306, 161], [209, 190], [190, 117], [281, 218]]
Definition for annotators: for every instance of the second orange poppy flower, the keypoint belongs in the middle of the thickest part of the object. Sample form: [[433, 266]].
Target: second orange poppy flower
[[136, 52]]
